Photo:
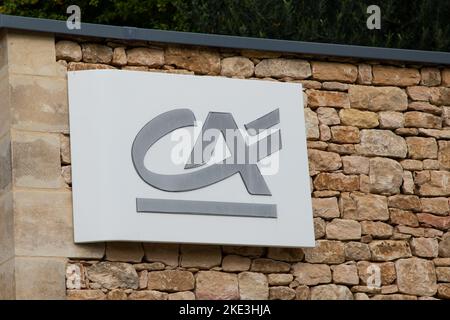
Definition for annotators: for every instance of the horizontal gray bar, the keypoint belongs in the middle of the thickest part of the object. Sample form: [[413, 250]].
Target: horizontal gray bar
[[212, 40], [256, 210]]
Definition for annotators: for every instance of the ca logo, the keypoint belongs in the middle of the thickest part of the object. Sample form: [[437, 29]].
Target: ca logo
[[249, 172]]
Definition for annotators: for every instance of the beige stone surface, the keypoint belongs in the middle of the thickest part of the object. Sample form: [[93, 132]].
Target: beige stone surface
[[185, 295], [364, 74], [119, 57], [425, 107], [80, 66], [346, 274], [376, 229], [43, 226], [280, 68], [385, 176], [357, 251], [331, 292], [419, 93], [253, 286], [47, 281], [403, 77], [7, 280], [39, 103], [86, 295], [382, 143], [327, 71], [391, 119], [200, 256], [33, 54], [312, 124], [234, 263], [444, 155], [148, 295], [269, 266], [280, 279], [337, 182], [6, 227], [443, 274], [323, 161], [36, 160], [326, 208], [319, 228], [328, 116], [237, 67], [440, 96], [355, 165], [68, 50], [214, 285], [311, 274], [378, 98], [445, 77], [325, 251], [341, 229], [162, 252], [96, 53], [243, 251], [171, 280], [345, 134], [436, 184], [424, 247], [359, 206], [438, 206], [113, 275], [117, 294], [405, 202], [358, 118], [416, 277], [430, 76], [281, 293], [285, 254], [199, 60], [416, 119], [124, 251], [149, 57], [387, 250], [320, 98]]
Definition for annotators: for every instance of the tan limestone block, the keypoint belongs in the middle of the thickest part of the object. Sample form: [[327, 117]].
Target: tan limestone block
[[331, 71], [280, 68], [253, 286], [402, 77], [7, 280], [166, 253], [47, 281], [214, 285], [43, 226], [199, 60], [378, 98], [36, 160], [39, 103], [237, 67], [124, 251], [200, 256], [33, 54]]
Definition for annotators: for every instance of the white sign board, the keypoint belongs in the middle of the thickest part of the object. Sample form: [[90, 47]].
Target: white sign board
[[154, 160]]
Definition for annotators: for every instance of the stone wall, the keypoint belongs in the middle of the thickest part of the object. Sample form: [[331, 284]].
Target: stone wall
[[379, 156]]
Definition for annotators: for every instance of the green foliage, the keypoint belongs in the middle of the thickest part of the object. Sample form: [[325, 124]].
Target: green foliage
[[413, 24]]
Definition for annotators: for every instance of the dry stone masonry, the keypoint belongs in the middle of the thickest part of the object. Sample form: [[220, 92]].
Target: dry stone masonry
[[378, 150], [379, 160]]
